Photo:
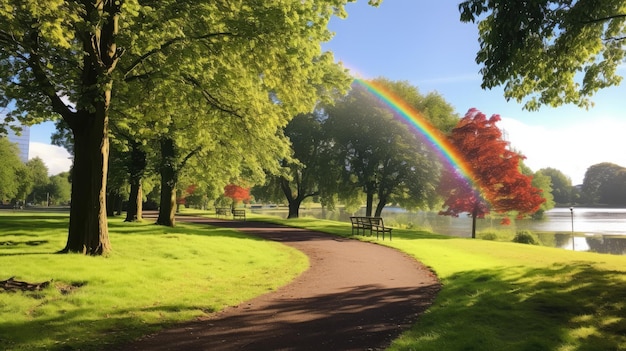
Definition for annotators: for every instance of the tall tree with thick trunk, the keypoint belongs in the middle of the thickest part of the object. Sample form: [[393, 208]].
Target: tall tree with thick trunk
[[62, 59]]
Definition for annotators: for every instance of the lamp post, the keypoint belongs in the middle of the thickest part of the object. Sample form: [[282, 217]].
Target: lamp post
[[571, 210]]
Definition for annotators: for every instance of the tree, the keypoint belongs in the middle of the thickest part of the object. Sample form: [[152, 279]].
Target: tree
[[304, 171], [562, 189], [60, 188], [602, 183], [380, 154], [497, 182], [551, 52], [64, 59], [237, 193], [38, 175], [10, 169]]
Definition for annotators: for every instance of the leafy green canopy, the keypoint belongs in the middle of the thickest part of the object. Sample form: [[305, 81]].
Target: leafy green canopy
[[550, 52]]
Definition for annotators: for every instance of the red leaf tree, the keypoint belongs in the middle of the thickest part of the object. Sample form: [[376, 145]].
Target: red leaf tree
[[497, 183], [237, 193]]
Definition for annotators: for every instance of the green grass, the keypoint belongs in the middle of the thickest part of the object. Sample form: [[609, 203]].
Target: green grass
[[495, 295], [508, 296], [155, 276]]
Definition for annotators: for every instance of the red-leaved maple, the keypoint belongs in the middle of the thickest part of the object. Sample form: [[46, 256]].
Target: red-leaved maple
[[237, 193], [497, 183]]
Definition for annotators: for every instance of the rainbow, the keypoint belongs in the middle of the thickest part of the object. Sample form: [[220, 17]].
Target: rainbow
[[415, 119]]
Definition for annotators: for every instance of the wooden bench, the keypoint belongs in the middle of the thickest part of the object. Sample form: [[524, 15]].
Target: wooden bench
[[222, 211], [377, 225], [358, 225], [369, 225], [239, 214]]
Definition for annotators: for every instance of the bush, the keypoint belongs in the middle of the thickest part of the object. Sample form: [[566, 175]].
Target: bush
[[488, 236], [525, 237]]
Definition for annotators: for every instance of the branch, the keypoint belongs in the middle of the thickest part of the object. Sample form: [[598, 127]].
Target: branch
[[47, 88], [213, 101], [189, 155], [166, 45], [603, 19]]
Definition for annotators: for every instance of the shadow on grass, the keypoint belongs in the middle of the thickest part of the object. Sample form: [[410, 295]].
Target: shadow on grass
[[574, 307]]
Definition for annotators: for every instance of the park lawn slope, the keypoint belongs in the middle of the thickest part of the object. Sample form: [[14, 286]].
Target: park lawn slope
[[155, 276], [509, 296]]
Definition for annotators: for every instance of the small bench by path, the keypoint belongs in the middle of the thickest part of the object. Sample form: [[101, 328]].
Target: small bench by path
[[370, 225], [355, 296]]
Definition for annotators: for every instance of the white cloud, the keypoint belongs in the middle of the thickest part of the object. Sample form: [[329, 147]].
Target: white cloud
[[56, 158], [573, 148]]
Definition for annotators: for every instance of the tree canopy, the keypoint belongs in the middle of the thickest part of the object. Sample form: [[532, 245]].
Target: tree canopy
[[73, 59], [498, 184], [605, 183], [550, 52], [11, 167], [380, 154]]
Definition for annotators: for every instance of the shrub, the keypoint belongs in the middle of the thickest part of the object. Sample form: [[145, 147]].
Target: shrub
[[525, 237], [488, 236]]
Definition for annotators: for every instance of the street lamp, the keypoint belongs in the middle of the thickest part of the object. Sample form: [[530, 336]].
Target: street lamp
[[571, 210]]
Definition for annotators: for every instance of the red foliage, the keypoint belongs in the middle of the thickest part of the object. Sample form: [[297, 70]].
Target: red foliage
[[182, 200], [499, 185], [237, 193]]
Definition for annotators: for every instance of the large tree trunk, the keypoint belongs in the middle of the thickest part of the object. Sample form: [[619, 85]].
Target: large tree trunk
[[88, 230], [169, 178], [137, 169], [294, 207]]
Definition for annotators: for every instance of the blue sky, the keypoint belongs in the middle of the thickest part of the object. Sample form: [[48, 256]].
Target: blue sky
[[425, 43]]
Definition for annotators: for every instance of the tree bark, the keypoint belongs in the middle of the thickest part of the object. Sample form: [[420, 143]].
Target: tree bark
[[169, 178], [369, 203], [294, 207], [474, 214], [380, 206], [88, 230]]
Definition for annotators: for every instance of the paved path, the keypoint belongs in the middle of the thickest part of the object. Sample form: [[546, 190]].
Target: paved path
[[354, 296]]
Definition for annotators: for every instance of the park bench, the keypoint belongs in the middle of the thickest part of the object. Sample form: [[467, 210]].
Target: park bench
[[369, 225], [377, 225], [239, 214], [222, 211]]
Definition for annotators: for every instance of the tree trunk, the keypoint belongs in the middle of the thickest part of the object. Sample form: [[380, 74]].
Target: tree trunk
[[110, 199], [294, 207], [88, 230], [380, 206], [369, 204], [169, 175], [135, 203], [137, 169], [474, 214]]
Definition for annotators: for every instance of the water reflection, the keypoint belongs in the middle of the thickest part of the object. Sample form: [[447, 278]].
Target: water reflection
[[597, 229]]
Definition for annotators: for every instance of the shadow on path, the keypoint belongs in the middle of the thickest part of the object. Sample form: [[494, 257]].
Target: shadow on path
[[354, 296]]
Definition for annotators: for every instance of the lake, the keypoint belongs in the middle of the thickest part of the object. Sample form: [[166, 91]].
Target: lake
[[596, 229]]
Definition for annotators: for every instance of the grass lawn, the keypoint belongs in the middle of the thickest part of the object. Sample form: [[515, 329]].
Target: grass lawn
[[154, 277], [508, 296], [495, 296]]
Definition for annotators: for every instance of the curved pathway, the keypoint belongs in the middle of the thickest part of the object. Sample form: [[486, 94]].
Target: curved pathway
[[354, 296]]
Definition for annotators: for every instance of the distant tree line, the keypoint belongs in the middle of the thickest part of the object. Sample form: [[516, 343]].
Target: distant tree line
[[26, 184]]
